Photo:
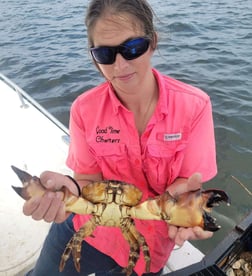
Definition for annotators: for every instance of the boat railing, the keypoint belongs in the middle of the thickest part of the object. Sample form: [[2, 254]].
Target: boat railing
[[24, 98]]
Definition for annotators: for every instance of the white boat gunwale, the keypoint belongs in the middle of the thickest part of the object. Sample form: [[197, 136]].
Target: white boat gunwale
[[24, 95]]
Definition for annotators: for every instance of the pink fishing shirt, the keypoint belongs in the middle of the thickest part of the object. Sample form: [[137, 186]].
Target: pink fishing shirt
[[177, 142]]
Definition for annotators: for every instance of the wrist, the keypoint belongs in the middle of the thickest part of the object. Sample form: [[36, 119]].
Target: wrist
[[76, 184]]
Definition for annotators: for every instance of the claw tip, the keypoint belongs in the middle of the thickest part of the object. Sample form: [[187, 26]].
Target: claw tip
[[18, 190], [22, 175]]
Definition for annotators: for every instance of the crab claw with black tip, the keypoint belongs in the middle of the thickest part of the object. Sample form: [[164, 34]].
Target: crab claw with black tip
[[213, 198], [22, 175], [210, 223], [185, 210], [216, 197]]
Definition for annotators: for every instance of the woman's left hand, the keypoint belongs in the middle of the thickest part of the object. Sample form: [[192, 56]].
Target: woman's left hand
[[180, 234]]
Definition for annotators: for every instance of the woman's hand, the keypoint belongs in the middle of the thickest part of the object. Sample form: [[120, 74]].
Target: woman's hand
[[179, 234], [50, 207]]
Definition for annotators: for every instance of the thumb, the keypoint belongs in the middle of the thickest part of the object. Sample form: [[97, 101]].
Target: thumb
[[51, 180], [55, 181], [183, 185], [194, 182]]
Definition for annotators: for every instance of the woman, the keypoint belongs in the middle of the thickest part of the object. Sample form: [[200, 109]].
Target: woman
[[139, 127]]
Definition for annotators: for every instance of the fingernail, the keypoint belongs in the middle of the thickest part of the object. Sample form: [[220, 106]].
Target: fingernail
[[49, 183]]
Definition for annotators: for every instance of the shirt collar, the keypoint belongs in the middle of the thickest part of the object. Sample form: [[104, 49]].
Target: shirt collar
[[162, 105], [115, 101]]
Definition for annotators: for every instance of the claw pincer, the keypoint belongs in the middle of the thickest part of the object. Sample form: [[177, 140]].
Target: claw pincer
[[213, 198], [116, 203], [31, 185]]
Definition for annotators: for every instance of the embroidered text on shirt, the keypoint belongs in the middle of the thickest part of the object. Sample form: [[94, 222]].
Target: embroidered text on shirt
[[101, 139], [104, 135], [106, 130]]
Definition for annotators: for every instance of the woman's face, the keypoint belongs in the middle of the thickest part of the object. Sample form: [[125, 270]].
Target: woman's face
[[113, 30]]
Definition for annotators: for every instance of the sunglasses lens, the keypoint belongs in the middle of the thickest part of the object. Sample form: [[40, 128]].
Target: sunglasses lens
[[129, 50], [134, 48], [103, 55]]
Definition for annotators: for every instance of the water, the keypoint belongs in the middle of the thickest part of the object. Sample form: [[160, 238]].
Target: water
[[43, 48]]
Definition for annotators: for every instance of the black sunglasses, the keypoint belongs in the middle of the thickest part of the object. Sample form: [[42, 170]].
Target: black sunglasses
[[130, 49]]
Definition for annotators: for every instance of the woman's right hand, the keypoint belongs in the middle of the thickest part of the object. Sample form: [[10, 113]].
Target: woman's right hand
[[180, 234], [50, 207]]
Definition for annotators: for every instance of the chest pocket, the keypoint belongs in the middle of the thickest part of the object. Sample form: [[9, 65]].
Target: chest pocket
[[162, 163], [111, 158]]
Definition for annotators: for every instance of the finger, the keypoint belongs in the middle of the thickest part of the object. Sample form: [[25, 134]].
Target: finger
[[195, 233], [52, 180], [181, 236], [55, 181], [55, 206], [31, 205], [61, 214], [44, 205], [172, 232], [200, 234], [177, 234], [194, 182]]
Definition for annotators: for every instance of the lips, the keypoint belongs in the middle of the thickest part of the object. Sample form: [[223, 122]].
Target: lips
[[125, 77]]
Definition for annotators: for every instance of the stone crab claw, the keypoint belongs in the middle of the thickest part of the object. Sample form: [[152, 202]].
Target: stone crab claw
[[185, 210], [32, 188]]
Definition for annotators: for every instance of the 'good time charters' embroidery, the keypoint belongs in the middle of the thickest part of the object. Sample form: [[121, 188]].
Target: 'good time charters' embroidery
[[107, 135]]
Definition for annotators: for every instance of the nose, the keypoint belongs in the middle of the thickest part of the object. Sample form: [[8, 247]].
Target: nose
[[120, 62]]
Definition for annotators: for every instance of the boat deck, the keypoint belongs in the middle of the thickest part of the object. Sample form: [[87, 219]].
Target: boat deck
[[32, 142]]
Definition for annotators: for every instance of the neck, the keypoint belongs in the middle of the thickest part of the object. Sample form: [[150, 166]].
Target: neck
[[137, 98], [141, 100], [142, 104]]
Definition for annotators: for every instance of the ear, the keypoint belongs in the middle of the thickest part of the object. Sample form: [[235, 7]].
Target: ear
[[155, 41]]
